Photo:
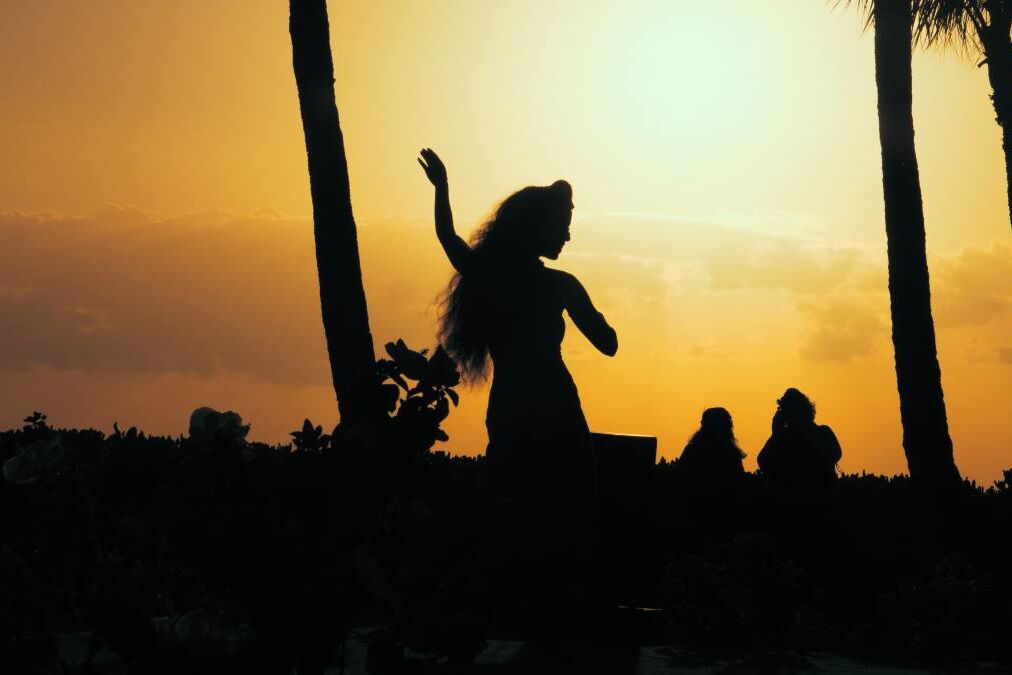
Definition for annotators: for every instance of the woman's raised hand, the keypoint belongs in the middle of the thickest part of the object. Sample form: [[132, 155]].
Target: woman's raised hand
[[434, 168], [456, 248]]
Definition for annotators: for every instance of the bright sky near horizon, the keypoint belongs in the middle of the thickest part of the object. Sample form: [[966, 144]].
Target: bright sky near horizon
[[726, 174]]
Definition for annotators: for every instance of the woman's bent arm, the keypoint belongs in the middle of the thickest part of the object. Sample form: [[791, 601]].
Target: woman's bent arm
[[586, 317]]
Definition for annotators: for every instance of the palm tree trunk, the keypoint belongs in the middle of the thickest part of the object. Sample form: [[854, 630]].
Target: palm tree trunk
[[342, 296], [926, 440], [1005, 120], [998, 52]]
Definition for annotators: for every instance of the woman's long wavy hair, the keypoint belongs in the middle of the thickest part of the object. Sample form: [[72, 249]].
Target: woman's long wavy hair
[[716, 430], [500, 248], [796, 405]]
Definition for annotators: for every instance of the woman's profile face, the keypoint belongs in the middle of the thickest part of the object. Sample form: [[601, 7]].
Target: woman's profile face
[[556, 228]]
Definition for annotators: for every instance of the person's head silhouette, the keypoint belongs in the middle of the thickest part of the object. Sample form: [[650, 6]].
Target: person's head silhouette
[[716, 422], [554, 231], [713, 449], [800, 454], [530, 223], [795, 409]]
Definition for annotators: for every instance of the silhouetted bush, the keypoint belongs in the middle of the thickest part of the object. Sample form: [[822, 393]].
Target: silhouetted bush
[[868, 567], [212, 554]]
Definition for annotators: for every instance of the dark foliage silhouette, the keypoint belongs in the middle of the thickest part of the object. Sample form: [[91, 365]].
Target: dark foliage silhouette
[[210, 426], [310, 438], [342, 297], [223, 556], [209, 553], [981, 27], [426, 403], [926, 440]]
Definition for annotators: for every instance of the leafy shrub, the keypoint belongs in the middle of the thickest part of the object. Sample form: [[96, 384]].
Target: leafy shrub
[[418, 409], [210, 426]]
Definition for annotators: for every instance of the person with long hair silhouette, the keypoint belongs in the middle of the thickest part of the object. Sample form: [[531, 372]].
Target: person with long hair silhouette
[[503, 304], [711, 477], [800, 455], [712, 455]]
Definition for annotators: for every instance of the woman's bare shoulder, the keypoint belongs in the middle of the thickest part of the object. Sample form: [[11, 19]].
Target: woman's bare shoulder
[[561, 278]]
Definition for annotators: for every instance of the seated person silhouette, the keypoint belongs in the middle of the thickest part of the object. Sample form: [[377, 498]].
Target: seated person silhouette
[[712, 456], [800, 455], [502, 304]]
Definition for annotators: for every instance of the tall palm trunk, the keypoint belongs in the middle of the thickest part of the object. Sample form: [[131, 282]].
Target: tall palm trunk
[[926, 440], [997, 47], [342, 297]]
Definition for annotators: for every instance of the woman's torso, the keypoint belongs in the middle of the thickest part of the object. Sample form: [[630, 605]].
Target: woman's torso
[[531, 386]]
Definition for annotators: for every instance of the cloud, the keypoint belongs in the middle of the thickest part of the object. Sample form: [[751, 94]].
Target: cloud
[[974, 287], [650, 237], [971, 288], [985, 351], [130, 291], [703, 351], [783, 265], [620, 278], [843, 328], [134, 292]]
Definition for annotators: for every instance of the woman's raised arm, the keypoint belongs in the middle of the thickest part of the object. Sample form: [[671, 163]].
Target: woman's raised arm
[[456, 248]]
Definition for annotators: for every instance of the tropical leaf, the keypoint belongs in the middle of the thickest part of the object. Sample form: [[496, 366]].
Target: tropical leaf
[[442, 370], [411, 363], [389, 395]]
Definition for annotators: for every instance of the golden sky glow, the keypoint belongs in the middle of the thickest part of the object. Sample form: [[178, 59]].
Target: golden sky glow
[[724, 158]]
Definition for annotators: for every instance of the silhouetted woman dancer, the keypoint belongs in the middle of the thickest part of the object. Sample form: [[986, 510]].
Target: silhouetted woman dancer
[[503, 303]]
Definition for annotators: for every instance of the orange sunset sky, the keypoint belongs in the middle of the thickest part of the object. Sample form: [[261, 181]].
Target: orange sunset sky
[[155, 213]]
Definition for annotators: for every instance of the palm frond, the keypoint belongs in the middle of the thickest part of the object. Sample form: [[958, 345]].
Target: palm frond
[[950, 23], [957, 24], [866, 8]]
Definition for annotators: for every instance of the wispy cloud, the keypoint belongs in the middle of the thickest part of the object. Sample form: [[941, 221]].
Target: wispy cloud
[[842, 329], [974, 286]]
